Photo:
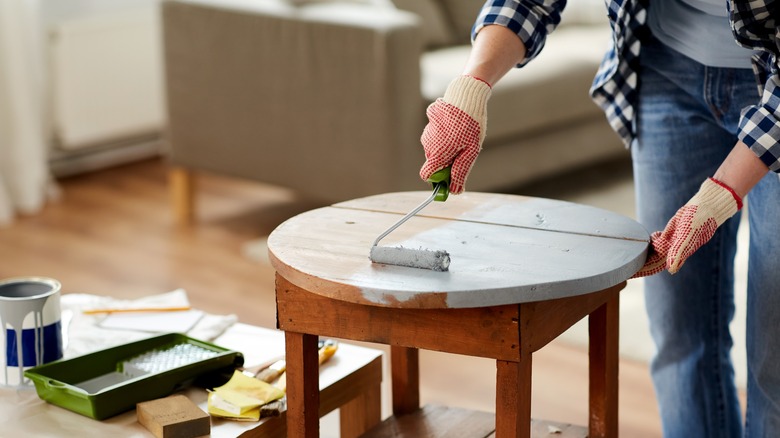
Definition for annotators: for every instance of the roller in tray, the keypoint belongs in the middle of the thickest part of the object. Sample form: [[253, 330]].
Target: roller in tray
[[108, 382]]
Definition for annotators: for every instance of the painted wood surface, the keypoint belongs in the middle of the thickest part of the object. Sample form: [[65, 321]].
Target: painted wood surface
[[504, 248]]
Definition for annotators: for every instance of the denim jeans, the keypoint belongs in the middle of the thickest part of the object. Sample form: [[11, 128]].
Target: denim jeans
[[686, 125]]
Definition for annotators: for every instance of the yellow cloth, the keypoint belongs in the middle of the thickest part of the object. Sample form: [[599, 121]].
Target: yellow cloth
[[241, 397]]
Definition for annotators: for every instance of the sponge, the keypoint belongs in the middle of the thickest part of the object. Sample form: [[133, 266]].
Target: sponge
[[173, 417]]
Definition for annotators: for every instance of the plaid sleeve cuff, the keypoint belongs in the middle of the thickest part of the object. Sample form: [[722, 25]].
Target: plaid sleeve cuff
[[759, 127], [532, 22]]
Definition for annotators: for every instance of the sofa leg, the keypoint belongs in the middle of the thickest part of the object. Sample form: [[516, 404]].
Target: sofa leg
[[182, 187]]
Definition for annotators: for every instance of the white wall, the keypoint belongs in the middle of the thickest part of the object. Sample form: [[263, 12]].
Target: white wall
[[105, 75]]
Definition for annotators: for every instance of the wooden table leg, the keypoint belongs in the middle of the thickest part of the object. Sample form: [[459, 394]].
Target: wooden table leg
[[303, 385], [513, 398], [405, 370], [603, 356], [182, 189], [361, 413]]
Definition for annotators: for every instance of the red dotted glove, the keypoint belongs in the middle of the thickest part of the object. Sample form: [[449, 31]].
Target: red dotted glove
[[455, 130], [691, 227]]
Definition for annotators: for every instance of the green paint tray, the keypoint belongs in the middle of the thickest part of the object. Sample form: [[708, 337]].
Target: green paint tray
[[111, 381]]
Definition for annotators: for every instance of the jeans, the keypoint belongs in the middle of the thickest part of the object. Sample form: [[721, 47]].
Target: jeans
[[686, 125]]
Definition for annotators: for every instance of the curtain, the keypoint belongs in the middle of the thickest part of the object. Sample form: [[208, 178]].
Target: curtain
[[24, 174]]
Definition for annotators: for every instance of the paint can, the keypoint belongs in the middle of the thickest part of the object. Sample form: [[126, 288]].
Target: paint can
[[32, 329]]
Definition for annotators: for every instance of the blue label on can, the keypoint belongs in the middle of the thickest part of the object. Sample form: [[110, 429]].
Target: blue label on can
[[51, 344]]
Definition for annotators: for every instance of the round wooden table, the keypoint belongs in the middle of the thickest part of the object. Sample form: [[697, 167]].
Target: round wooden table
[[523, 271]]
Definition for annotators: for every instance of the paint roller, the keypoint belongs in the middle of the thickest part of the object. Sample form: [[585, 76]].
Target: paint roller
[[437, 260]]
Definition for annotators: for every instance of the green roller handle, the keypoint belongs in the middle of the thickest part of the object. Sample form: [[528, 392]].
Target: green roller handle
[[440, 181]]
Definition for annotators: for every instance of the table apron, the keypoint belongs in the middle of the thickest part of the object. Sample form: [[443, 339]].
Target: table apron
[[498, 332]]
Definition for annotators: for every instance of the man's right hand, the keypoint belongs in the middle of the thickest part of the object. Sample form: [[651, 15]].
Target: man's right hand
[[456, 130]]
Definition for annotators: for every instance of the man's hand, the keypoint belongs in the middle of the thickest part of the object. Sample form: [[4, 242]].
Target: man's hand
[[456, 130], [691, 227]]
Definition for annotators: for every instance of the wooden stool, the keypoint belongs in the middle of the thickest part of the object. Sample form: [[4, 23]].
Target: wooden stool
[[523, 271]]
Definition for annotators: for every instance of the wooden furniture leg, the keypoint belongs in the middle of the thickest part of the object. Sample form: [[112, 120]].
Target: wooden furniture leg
[[303, 385], [361, 413], [405, 370], [513, 398], [603, 326], [182, 188]]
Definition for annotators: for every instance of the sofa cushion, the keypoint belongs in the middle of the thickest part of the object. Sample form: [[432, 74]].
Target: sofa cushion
[[546, 94], [462, 14], [585, 12], [436, 30], [434, 23], [307, 2]]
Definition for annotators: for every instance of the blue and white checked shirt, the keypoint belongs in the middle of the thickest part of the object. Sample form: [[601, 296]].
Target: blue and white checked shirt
[[754, 23]]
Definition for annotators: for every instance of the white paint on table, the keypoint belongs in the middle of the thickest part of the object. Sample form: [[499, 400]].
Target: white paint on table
[[504, 249]]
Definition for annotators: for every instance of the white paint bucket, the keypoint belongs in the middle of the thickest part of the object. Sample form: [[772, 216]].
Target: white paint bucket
[[32, 330]]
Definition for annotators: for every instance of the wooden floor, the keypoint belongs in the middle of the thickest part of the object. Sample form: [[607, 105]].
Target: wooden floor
[[112, 233]]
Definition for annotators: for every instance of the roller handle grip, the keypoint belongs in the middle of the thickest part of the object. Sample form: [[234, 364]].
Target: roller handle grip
[[440, 180]]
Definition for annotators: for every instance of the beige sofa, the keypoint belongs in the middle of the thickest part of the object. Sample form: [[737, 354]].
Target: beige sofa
[[328, 97]]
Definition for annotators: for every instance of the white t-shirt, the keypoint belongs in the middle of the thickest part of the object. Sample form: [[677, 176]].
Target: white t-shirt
[[698, 29]]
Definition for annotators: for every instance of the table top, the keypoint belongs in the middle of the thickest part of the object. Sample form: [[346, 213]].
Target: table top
[[23, 414], [505, 249]]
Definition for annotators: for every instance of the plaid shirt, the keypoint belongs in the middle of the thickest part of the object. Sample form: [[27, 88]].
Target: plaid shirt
[[614, 88]]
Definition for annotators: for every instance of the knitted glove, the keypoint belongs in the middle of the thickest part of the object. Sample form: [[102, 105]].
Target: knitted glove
[[455, 130], [691, 227]]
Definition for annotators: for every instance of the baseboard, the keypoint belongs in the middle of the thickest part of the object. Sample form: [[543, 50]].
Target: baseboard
[[64, 164]]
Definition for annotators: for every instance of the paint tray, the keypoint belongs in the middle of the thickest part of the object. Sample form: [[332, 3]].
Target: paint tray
[[108, 382]]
